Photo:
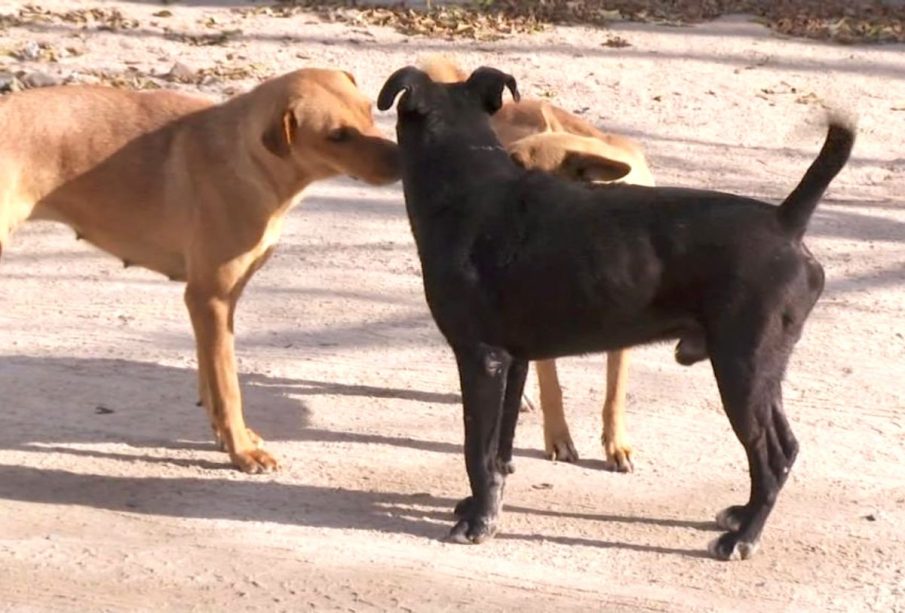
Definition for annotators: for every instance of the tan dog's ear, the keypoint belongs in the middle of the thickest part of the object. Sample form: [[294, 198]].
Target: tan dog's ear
[[280, 134], [551, 123], [592, 168]]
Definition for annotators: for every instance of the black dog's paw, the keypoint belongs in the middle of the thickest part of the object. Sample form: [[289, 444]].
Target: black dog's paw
[[463, 507], [729, 547], [732, 518], [472, 530]]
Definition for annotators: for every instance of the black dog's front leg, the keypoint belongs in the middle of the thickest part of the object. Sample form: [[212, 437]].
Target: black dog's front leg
[[483, 374], [515, 386]]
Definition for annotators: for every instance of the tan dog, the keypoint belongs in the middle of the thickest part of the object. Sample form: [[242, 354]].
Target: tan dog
[[189, 189], [541, 136]]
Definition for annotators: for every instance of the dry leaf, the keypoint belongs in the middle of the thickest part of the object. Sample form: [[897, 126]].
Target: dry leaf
[[838, 20]]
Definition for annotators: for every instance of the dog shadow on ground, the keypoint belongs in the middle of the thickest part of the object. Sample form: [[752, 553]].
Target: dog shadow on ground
[[257, 500], [53, 404], [85, 400]]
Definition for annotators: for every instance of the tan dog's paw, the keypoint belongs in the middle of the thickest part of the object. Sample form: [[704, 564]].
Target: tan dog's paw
[[255, 438], [254, 461], [560, 447], [618, 455]]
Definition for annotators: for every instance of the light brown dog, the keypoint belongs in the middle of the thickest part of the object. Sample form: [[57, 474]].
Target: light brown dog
[[189, 189], [541, 136]]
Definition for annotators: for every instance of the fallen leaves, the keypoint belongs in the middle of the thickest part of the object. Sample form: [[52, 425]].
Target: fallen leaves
[[97, 17], [841, 21], [220, 37], [134, 78], [40, 51], [126, 79], [616, 42], [784, 88], [232, 72], [477, 21], [33, 51], [811, 98]]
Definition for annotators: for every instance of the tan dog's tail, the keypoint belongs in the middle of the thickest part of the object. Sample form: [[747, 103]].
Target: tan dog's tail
[[442, 69]]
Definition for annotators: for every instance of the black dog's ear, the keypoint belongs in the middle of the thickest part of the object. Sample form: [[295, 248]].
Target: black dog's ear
[[487, 84], [409, 79]]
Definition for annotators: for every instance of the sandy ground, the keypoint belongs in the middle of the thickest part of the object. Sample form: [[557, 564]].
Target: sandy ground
[[112, 496]]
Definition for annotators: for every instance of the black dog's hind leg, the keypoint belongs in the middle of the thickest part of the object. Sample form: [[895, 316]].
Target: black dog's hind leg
[[484, 373], [749, 374], [515, 387]]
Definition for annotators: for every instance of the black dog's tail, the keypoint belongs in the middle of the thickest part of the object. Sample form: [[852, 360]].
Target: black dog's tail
[[797, 208]]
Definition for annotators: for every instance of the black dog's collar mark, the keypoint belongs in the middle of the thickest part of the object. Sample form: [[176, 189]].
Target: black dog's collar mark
[[487, 148]]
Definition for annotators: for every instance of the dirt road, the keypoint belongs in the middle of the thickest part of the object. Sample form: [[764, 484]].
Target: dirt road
[[112, 496]]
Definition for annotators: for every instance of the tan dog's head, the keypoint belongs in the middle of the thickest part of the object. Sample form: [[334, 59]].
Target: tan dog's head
[[579, 158], [442, 69], [323, 124]]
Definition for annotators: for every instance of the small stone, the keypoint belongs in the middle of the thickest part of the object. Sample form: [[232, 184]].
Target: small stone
[[85, 79], [39, 79], [30, 51], [9, 83], [180, 73]]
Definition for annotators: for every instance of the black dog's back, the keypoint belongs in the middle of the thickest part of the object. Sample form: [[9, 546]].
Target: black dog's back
[[563, 269]]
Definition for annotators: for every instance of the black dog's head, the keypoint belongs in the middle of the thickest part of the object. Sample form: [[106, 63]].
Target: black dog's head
[[438, 106]]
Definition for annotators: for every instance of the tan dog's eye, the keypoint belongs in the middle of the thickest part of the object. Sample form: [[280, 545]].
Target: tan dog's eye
[[339, 135]]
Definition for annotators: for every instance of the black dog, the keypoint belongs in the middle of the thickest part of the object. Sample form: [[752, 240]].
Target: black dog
[[523, 266]]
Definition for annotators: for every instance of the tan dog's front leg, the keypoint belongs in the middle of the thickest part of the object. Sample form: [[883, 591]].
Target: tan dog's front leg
[[615, 443], [210, 315], [204, 400], [557, 439]]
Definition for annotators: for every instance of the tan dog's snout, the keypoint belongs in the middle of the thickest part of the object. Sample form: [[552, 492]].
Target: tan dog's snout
[[381, 163]]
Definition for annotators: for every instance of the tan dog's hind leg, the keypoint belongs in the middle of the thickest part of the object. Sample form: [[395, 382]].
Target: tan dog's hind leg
[[557, 440], [615, 443], [211, 304]]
